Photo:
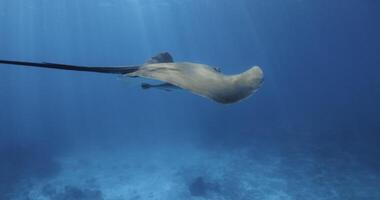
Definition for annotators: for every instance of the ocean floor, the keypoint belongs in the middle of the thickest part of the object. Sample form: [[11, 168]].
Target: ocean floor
[[189, 172]]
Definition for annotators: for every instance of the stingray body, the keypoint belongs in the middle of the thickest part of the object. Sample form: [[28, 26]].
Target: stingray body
[[200, 79]]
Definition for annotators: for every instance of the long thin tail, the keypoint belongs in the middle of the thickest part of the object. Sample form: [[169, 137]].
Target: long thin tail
[[109, 70]]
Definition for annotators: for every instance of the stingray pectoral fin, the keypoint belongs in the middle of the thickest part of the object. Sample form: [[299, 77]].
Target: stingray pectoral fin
[[163, 57], [145, 86], [163, 86], [109, 70]]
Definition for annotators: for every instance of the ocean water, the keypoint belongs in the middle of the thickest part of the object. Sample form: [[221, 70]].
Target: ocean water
[[311, 132]]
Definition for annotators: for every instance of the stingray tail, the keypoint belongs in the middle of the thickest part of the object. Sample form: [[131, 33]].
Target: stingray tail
[[109, 70]]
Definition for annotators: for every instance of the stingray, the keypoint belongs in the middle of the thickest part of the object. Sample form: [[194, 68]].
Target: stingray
[[200, 79]]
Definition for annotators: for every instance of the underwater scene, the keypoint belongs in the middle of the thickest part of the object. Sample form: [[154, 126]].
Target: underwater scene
[[189, 100]]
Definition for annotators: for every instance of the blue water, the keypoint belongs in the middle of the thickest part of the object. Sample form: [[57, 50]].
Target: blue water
[[311, 131]]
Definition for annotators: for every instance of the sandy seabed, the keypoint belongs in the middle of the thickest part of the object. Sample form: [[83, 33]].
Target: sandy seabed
[[187, 172]]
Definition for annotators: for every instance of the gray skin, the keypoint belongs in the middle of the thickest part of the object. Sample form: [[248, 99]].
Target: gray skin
[[200, 79], [204, 80]]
